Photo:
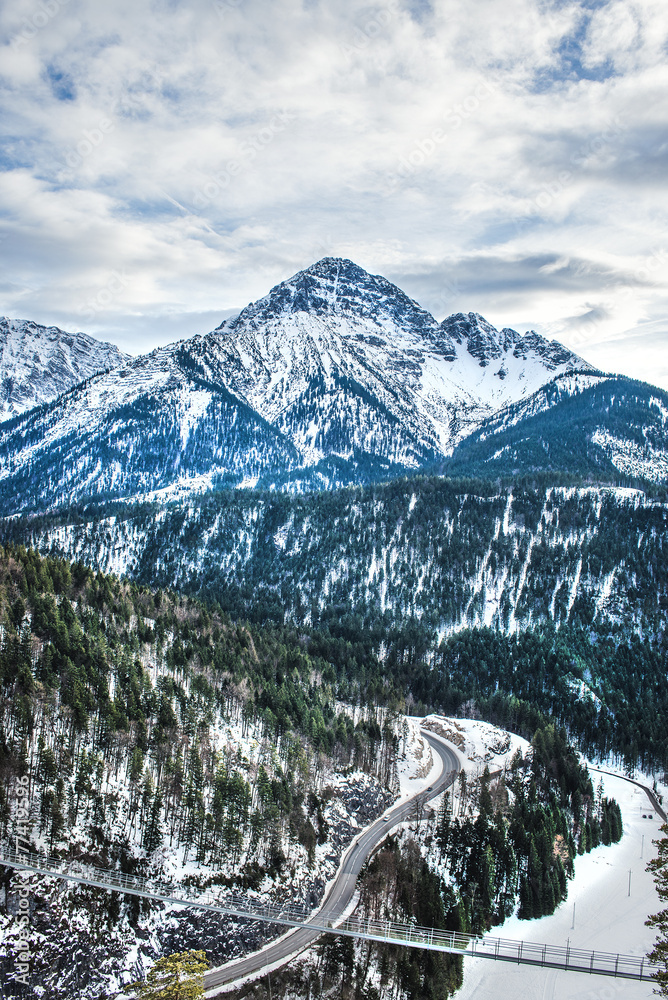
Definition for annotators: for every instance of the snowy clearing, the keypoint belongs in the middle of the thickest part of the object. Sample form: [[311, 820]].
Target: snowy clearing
[[606, 918]]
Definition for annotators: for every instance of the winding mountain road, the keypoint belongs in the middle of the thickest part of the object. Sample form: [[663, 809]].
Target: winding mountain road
[[343, 887], [649, 792]]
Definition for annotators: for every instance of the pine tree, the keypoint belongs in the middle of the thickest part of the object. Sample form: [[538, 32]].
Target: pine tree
[[526, 899], [487, 893], [153, 833], [659, 954], [175, 977], [485, 804]]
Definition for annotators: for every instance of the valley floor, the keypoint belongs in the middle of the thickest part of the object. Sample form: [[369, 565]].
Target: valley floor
[[606, 918]]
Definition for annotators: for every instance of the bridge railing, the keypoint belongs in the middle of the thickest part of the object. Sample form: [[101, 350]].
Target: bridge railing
[[292, 915]]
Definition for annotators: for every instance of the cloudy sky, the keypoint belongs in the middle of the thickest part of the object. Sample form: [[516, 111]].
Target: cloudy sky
[[164, 163]]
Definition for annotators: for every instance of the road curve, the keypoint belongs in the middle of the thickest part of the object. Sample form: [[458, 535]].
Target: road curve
[[649, 792], [343, 887]]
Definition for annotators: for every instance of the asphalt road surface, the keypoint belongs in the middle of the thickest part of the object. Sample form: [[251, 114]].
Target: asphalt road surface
[[649, 792], [341, 892]]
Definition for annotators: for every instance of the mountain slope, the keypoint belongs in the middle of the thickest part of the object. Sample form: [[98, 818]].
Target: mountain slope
[[527, 592], [605, 427], [163, 713], [335, 377], [152, 425], [436, 551], [342, 360], [37, 363]]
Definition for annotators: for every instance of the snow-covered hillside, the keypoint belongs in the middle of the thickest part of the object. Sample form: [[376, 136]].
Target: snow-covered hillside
[[149, 425], [599, 427], [335, 377], [600, 914], [338, 358], [625, 454], [37, 363], [506, 561]]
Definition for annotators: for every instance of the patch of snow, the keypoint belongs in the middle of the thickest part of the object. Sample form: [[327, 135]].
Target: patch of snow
[[574, 587], [479, 743], [644, 461], [606, 918], [582, 691]]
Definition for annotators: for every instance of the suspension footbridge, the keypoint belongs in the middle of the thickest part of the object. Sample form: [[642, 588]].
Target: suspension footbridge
[[499, 949]]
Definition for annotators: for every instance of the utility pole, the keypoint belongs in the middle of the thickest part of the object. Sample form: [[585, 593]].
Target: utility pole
[[642, 846], [629, 881]]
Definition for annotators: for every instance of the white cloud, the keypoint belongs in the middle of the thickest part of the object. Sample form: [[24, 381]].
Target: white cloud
[[629, 34], [505, 158]]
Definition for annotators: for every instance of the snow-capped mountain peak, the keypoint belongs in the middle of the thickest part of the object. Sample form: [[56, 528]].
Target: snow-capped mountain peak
[[335, 376], [485, 343], [37, 363], [342, 361], [336, 287]]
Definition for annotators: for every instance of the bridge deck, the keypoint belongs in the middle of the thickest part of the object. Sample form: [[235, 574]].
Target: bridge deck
[[499, 949]]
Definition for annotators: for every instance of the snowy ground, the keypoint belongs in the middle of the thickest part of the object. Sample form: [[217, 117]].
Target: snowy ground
[[479, 743], [416, 765], [606, 918]]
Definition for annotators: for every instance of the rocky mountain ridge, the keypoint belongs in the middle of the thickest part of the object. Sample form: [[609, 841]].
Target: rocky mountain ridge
[[333, 323], [38, 363]]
